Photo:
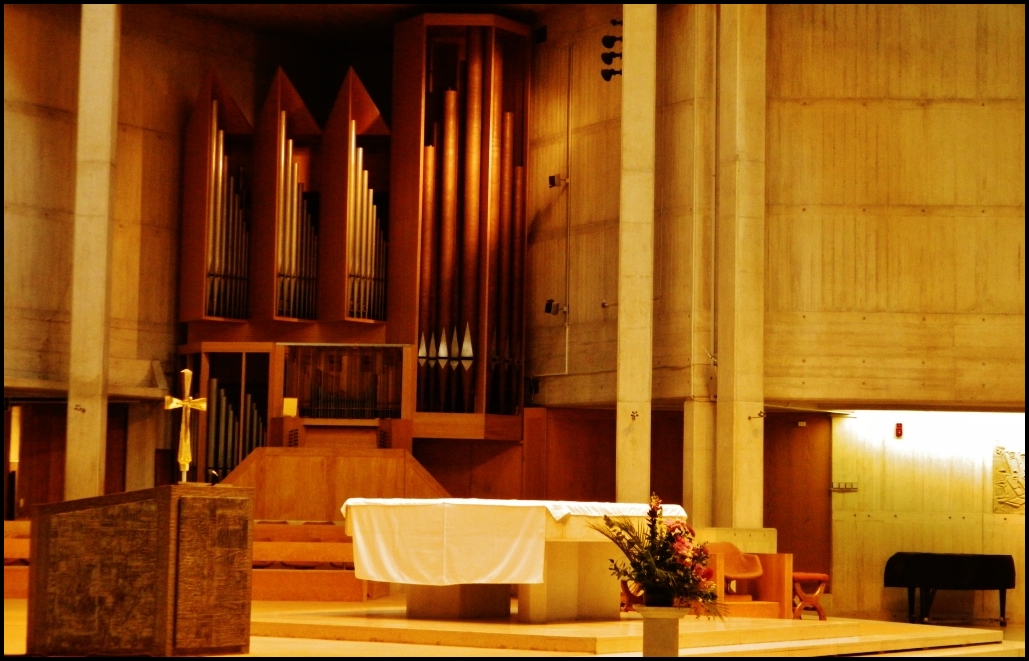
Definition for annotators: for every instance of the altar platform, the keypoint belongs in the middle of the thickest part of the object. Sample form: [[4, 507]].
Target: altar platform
[[379, 628], [383, 621]]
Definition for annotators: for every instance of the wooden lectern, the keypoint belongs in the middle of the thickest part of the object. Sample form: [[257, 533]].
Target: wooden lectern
[[160, 572]]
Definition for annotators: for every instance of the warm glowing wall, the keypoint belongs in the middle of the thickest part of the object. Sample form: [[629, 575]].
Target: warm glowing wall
[[929, 491]]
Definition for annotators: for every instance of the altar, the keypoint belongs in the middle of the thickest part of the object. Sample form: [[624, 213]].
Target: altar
[[460, 555]]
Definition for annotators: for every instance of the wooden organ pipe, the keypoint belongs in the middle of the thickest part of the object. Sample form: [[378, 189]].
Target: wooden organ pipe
[[227, 235], [505, 262], [448, 241], [426, 334], [493, 231], [468, 321], [518, 300]]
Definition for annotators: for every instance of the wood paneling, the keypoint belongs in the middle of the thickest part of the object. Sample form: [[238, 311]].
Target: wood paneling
[[666, 443], [896, 204], [798, 475], [41, 469], [929, 491], [310, 484], [473, 469]]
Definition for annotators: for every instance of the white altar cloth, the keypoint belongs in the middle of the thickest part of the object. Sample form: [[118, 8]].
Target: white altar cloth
[[455, 541]]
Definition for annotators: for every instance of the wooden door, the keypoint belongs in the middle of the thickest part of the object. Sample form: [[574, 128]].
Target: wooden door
[[798, 476], [41, 465]]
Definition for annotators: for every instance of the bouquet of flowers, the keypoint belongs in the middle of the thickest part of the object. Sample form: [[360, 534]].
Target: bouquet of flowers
[[664, 560]]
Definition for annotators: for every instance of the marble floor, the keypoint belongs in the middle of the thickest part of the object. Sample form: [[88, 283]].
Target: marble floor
[[378, 628]]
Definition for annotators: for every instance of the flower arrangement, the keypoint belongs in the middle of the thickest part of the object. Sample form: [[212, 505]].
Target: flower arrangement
[[664, 560]]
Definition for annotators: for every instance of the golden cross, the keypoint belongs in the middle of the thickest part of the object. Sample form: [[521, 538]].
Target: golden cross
[[187, 403]]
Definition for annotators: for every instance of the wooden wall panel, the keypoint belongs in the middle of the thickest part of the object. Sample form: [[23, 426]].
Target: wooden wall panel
[[41, 466], [666, 455], [473, 469], [929, 491], [896, 204], [310, 484], [580, 454]]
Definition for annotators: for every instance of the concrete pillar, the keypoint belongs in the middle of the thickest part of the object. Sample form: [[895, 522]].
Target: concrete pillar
[[699, 410], [636, 253], [698, 462], [91, 270], [740, 241]]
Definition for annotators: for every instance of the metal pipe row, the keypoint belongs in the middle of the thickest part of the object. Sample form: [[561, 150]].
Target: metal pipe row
[[345, 382], [366, 244], [228, 238], [230, 438], [297, 238]]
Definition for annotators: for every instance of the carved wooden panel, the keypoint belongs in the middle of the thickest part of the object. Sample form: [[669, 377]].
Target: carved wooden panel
[[212, 607], [160, 572], [101, 588]]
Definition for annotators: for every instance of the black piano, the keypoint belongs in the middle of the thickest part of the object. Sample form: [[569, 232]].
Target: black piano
[[930, 572]]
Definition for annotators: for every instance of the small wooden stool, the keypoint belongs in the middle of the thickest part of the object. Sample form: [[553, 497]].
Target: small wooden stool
[[809, 600]]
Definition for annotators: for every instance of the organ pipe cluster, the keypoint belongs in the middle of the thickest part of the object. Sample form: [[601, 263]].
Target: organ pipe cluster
[[230, 436], [228, 236], [366, 245], [296, 255], [345, 381], [473, 201]]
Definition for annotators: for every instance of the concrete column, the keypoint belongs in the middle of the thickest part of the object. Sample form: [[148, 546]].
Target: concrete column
[[740, 241], [91, 270], [698, 462], [636, 253], [699, 410]]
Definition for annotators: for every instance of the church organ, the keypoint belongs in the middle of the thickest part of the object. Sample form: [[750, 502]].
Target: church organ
[[329, 285], [460, 112]]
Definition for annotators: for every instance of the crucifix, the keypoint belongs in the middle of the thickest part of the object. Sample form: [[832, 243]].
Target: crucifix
[[187, 403]]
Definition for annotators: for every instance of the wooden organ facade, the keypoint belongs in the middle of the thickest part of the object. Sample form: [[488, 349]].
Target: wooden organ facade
[[459, 115], [347, 286]]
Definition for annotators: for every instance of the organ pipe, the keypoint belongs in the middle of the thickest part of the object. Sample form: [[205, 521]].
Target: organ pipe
[[296, 237], [366, 244], [472, 211], [228, 236], [231, 437]]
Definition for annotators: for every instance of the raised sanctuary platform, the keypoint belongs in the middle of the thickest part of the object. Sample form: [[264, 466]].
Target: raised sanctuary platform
[[384, 621]]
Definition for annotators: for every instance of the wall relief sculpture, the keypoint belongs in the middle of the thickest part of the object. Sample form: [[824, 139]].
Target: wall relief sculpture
[[1008, 481]]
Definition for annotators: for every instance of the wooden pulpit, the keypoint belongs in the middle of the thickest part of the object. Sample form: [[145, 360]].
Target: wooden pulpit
[[159, 572]]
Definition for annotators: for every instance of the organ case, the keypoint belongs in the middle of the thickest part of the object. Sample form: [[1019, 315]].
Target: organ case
[[214, 258]]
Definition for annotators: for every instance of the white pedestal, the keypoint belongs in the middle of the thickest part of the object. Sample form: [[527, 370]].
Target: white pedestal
[[453, 602], [577, 585], [661, 629]]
